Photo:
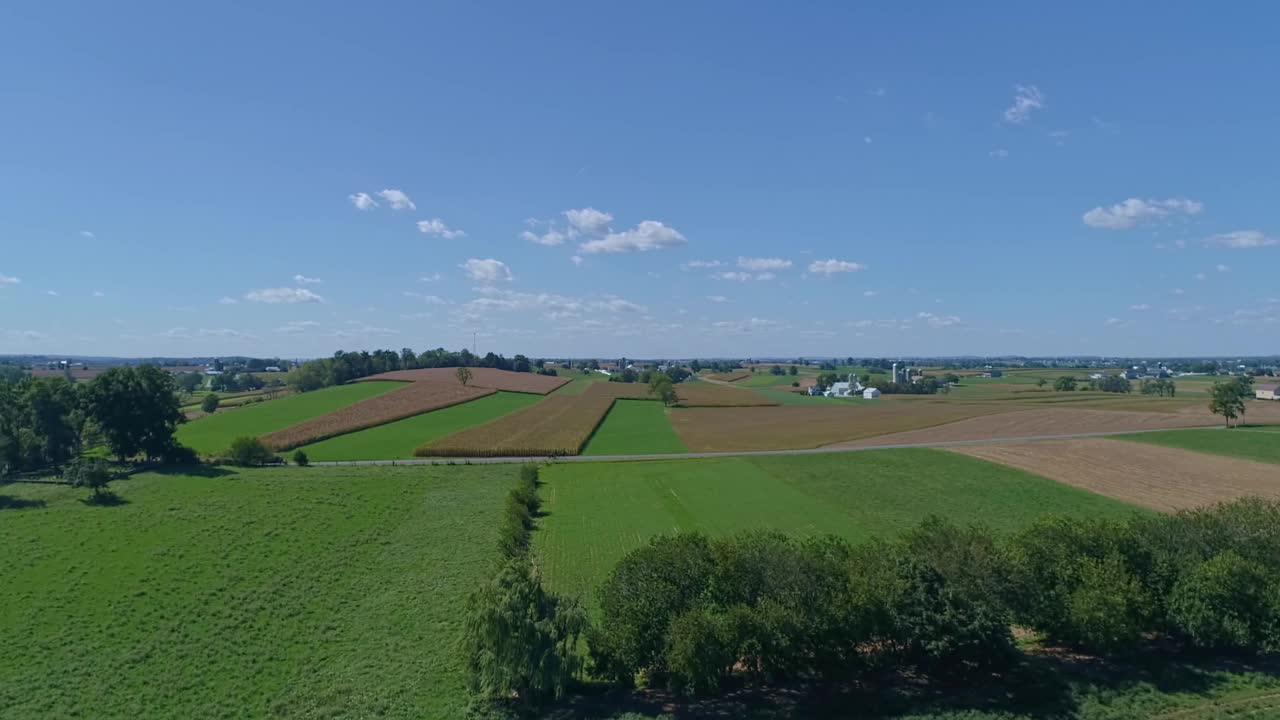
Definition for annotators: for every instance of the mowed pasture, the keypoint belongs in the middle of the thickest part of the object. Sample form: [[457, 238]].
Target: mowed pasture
[[298, 592], [213, 434], [596, 512], [1259, 443], [635, 427], [1147, 474], [413, 399], [558, 425], [490, 378], [398, 440], [813, 425]]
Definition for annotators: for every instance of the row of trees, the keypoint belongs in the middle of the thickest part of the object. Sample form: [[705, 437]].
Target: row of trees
[[1161, 387], [702, 616], [630, 375], [344, 366], [45, 422]]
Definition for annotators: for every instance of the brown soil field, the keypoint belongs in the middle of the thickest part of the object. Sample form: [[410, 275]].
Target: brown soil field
[[629, 391], [480, 377], [730, 376], [1156, 477], [1057, 421], [558, 425], [708, 395], [799, 426], [76, 374], [412, 399]]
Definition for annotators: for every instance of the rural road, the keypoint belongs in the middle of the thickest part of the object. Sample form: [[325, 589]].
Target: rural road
[[738, 453]]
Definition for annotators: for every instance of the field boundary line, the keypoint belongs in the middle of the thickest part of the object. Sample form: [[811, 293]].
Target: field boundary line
[[742, 453]]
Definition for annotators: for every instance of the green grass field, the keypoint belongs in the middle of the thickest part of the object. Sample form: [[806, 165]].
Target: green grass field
[[213, 434], [635, 427], [579, 382], [1261, 443], [397, 440], [283, 592], [597, 512]]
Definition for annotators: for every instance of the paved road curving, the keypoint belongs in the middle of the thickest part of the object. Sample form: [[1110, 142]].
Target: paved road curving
[[737, 453]]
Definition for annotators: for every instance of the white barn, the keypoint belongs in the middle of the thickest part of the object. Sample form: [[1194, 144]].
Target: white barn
[[870, 394], [1267, 392]]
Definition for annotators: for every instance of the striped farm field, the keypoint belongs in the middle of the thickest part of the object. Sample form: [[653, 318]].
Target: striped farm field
[[413, 399], [398, 440], [559, 425], [635, 427], [701, 394], [213, 434], [490, 378], [731, 376]]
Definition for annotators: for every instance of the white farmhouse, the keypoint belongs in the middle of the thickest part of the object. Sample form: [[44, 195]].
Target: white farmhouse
[[1267, 392], [870, 394]]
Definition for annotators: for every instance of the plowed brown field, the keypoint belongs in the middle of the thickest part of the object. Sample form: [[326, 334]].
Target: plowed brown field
[[797, 426], [481, 378], [412, 399], [1155, 477], [558, 425], [1057, 421], [708, 395]]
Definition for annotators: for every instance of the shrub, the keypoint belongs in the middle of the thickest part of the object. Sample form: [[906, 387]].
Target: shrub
[[249, 451], [92, 473], [1108, 610], [1228, 603], [300, 458], [210, 403]]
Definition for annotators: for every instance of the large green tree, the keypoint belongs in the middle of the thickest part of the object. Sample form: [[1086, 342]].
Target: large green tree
[[137, 409], [1227, 399]]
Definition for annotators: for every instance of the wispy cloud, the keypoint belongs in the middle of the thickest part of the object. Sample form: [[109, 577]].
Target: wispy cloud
[[487, 270], [8, 280], [362, 201], [1140, 307], [701, 264], [1134, 211], [283, 296], [1243, 239], [999, 153], [431, 277], [304, 280], [1026, 99], [88, 234], [397, 199], [717, 298], [550, 238], [832, 266], [938, 321], [437, 228], [648, 235], [227, 300], [428, 299], [761, 264]]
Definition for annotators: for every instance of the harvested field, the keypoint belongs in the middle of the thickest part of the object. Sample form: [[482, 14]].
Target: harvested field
[[808, 426], [707, 395], [622, 391], [730, 376], [1148, 475], [76, 373], [480, 377], [1047, 421], [558, 425], [413, 399]]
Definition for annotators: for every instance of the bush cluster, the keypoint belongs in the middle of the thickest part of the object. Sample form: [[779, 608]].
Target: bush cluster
[[249, 451], [698, 615]]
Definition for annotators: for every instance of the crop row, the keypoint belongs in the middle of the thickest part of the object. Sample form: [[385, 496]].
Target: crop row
[[490, 378], [705, 395], [412, 399], [558, 425]]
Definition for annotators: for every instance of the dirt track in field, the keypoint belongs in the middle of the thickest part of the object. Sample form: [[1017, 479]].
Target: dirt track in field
[[1060, 421], [1156, 477]]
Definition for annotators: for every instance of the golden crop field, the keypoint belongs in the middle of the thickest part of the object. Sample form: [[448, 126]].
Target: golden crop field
[[412, 399]]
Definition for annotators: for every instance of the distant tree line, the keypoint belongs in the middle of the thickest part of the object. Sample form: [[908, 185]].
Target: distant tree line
[[630, 375], [706, 616], [46, 422], [344, 366]]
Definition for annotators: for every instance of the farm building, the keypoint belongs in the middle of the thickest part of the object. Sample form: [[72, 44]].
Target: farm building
[[840, 389], [1267, 392], [993, 374], [870, 394]]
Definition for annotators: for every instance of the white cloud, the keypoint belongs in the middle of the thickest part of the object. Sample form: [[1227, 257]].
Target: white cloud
[[648, 235], [999, 153], [700, 264], [938, 321], [181, 333], [551, 237], [1223, 268], [304, 280], [765, 276], [746, 326], [283, 296], [576, 259], [1199, 276], [25, 335], [833, 266], [487, 270], [760, 264], [227, 300], [99, 293], [1243, 239], [8, 280], [869, 293], [437, 227], [362, 201], [1140, 307], [88, 234], [588, 221], [1026, 99], [732, 275], [297, 326], [1111, 322], [429, 299], [1134, 211], [613, 303], [54, 293], [1179, 291], [431, 277], [397, 199], [717, 298]]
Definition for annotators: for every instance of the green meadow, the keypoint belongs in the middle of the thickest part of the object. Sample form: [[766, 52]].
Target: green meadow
[[635, 427]]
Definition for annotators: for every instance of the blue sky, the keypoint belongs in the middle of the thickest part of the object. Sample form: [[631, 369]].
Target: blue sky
[[666, 179]]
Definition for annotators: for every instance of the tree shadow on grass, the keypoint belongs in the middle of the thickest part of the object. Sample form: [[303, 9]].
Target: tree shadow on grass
[[204, 471], [104, 499], [1049, 685], [13, 503]]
